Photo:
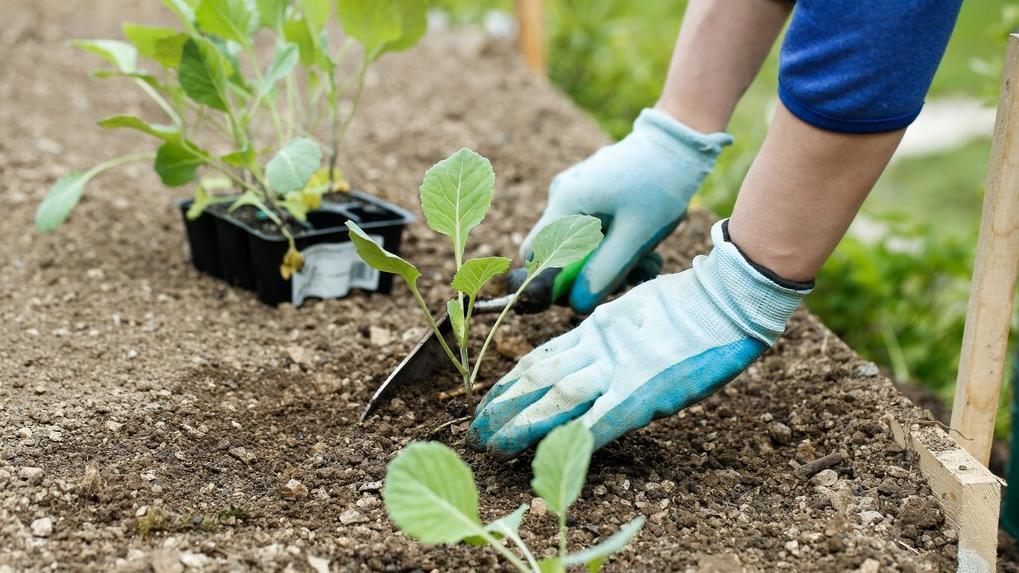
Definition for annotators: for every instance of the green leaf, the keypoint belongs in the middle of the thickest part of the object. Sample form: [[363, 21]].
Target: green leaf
[[60, 200], [184, 9], [596, 556], [456, 194], [202, 199], [316, 12], [203, 73], [560, 465], [143, 76], [170, 49], [502, 527], [455, 311], [292, 167], [551, 565], [564, 241], [164, 132], [475, 273], [146, 39], [271, 13], [296, 206], [379, 258], [176, 163], [283, 62], [120, 54], [413, 25], [373, 23], [430, 494], [240, 157], [234, 20]]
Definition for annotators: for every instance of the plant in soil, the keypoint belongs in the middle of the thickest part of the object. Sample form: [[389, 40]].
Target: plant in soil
[[430, 494], [455, 196], [249, 123]]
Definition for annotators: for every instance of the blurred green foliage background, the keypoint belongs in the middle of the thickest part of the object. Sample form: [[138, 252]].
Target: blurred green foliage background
[[897, 292]]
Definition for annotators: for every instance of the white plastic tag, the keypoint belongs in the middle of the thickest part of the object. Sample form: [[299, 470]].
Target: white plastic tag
[[331, 270]]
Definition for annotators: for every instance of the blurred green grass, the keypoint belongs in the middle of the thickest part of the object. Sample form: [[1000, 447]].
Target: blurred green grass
[[899, 299]]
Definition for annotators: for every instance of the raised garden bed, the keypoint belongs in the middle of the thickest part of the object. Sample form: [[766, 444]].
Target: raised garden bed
[[152, 416]]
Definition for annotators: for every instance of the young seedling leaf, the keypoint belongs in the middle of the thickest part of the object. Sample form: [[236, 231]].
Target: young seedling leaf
[[184, 9], [283, 61], [271, 13], [560, 465], [292, 167], [430, 494], [146, 39], [229, 19], [455, 311], [413, 25], [177, 164], [373, 23], [379, 258], [316, 13], [455, 195], [203, 199], [294, 205], [203, 73], [296, 31], [240, 158], [60, 200], [168, 133], [551, 565], [170, 49], [502, 527], [475, 273], [121, 54], [595, 557], [564, 241]]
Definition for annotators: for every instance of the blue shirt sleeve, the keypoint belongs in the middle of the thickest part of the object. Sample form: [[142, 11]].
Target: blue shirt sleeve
[[863, 66]]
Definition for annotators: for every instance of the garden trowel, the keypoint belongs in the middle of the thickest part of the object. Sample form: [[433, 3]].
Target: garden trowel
[[552, 286]]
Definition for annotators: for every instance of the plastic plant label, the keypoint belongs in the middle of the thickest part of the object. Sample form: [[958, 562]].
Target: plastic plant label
[[331, 270]]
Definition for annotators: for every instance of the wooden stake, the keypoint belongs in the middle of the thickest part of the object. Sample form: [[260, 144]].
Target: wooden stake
[[531, 32], [984, 341]]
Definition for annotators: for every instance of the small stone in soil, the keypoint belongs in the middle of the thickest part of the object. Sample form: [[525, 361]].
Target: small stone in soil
[[30, 474], [113, 426], [866, 370], [294, 489], [42, 527], [779, 432], [352, 516], [243, 455], [826, 477], [868, 517], [319, 564], [380, 336], [166, 561], [538, 507], [25, 433]]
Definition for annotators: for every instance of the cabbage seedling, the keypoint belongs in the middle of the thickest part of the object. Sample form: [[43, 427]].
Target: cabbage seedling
[[455, 196], [215, 98], [431, 496]]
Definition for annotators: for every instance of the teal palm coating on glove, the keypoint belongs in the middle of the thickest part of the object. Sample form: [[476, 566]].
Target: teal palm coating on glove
[[664, 345], [640, 187]]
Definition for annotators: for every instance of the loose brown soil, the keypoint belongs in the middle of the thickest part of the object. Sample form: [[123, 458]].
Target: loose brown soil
[[155, 416]]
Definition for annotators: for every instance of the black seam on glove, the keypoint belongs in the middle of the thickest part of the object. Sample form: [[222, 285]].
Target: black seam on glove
[[768, 273]]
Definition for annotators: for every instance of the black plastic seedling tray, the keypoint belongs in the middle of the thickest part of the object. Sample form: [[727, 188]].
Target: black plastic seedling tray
[[228, 248]]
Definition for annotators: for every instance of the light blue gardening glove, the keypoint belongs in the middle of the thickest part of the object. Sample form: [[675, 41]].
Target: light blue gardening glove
[[662, 346], [640, 187]]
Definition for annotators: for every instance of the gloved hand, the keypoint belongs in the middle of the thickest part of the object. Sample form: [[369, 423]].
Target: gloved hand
[[640, 187], [660, 347]]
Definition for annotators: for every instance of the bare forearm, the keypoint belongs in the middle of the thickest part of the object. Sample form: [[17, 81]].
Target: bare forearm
[[720, 49], [802, 192]]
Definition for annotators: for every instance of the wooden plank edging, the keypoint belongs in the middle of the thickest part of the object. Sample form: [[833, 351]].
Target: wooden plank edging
[[969, 494]]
